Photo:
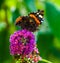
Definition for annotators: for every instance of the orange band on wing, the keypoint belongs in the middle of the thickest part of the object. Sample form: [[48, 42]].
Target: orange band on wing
[[37, 21], [18, 19]]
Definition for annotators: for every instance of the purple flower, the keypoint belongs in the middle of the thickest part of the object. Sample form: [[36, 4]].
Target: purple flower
[[22, 42]]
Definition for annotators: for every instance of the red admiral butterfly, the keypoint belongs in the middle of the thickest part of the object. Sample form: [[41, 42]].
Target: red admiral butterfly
[[32, 21]]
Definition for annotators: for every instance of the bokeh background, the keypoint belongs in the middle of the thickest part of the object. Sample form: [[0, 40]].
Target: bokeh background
[[48, 35]]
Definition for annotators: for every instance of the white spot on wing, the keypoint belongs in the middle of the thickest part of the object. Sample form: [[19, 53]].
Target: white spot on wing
[[37, 13], [41, 21], [40, 16]]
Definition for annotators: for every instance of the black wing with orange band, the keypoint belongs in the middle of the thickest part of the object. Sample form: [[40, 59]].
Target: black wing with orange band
[[38, 16]]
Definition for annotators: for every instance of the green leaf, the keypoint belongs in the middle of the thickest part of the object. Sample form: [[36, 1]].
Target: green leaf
[[44, 44], [53, 18], [15, 15], [30, 4]]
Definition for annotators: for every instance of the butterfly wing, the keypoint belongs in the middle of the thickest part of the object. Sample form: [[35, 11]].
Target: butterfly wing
[[30, 22]]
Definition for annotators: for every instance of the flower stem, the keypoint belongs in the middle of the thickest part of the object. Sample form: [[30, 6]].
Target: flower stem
[[44, 60], [18, 61]]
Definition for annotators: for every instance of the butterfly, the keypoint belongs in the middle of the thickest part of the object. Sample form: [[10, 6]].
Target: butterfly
[[32, 21]]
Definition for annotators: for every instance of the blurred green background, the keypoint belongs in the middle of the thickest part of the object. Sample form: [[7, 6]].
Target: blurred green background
[[48, 36]]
